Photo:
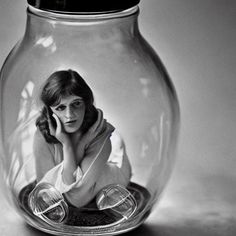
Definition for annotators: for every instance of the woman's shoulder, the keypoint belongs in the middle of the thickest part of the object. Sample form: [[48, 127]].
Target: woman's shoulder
[[105, 132]]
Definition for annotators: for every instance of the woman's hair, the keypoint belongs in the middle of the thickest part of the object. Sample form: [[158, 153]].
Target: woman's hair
[[61, 84]]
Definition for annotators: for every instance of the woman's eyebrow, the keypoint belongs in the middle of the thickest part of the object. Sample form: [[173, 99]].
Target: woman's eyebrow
[[64, 104], [59, 105], [77, 99]]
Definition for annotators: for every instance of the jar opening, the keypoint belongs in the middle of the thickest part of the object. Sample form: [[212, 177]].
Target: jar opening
[[82, 7]]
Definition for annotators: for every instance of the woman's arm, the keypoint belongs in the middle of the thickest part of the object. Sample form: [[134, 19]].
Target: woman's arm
[[69, 163], [96, 147], [47, 170], [93, 166], [95, 158]]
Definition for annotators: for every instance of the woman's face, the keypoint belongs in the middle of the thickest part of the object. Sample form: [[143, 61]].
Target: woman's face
[[70, 111]]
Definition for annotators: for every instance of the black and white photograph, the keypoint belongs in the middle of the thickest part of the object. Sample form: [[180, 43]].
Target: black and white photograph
[[117, 117]]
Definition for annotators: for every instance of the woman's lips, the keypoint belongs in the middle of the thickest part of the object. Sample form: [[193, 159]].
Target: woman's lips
[[71, 122]]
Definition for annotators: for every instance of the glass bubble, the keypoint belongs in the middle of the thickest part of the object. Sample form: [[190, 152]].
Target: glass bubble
[[119, 130], [117, 200], [46, 202]]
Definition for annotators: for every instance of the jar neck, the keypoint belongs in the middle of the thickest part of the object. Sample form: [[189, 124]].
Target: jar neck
[[43, 22]]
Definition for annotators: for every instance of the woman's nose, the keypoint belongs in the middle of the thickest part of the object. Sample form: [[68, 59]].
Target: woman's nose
[[69, 113]]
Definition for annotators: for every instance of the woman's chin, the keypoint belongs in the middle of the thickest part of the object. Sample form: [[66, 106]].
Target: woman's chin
[[71, 129]]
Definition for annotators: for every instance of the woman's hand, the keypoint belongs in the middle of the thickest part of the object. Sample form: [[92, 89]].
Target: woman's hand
[[58, 132], [69, 162]]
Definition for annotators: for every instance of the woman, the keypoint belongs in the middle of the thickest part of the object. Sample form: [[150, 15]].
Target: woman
[[72, 144]]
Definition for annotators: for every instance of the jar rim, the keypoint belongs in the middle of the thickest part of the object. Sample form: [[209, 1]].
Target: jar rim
[[84, 16], [82, 6]]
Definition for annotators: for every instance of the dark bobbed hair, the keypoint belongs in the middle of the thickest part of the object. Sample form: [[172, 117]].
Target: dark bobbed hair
[[61, 84]]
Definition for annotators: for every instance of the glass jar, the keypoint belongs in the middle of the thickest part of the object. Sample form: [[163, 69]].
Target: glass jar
[[135, 109]]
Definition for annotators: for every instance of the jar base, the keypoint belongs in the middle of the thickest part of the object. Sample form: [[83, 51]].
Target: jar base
[[88, 220]]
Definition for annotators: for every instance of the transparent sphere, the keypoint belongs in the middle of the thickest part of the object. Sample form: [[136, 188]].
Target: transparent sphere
[[47, 203], [109, 176]]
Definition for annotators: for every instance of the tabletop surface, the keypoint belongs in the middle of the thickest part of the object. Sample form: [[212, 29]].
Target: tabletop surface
[[194, 206]]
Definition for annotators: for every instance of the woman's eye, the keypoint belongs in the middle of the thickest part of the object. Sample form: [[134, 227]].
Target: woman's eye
[[77, 104], [60, 108]]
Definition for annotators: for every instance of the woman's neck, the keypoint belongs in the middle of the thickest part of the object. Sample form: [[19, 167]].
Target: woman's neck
[[75, 136]]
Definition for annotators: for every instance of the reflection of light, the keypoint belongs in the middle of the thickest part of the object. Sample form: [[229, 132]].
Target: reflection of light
[[154, 131], [161, 136], [145, 82], [26, 102], [28, 90], [53, 23], [21, 169], [22, 162], [47, 42], [144, 149]]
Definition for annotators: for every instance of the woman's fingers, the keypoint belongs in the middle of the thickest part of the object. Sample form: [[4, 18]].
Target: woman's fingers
[[58, 122], [51, 128], [60, 134]]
